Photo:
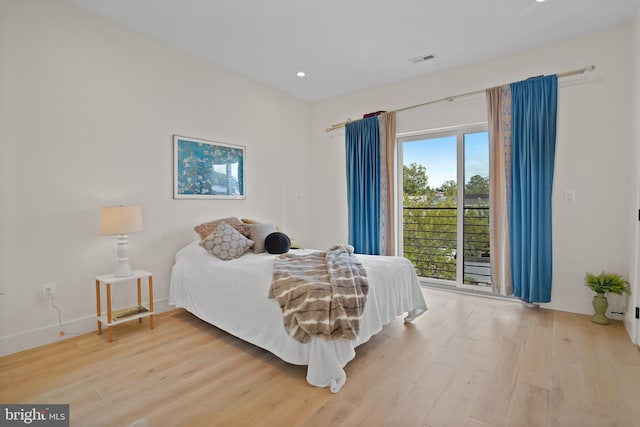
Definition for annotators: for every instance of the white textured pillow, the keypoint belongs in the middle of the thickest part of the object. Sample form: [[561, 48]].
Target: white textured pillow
[[226, 242], [259, 232]]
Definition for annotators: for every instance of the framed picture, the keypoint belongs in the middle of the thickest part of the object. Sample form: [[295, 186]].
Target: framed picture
[[207, 170]]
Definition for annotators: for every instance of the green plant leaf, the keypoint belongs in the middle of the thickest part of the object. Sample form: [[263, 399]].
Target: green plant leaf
[[603, 283]]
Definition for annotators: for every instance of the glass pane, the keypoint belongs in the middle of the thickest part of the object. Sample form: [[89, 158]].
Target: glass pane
[[429, 206], [477, 267]]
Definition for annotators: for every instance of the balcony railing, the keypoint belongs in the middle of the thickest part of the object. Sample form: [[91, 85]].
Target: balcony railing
[[430, 242]]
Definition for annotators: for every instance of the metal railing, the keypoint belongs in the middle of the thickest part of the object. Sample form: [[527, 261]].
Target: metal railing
[[430, 242]]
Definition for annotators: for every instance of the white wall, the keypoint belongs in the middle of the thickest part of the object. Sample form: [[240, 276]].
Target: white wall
[[592, 155], [87, 114], [633, 325]]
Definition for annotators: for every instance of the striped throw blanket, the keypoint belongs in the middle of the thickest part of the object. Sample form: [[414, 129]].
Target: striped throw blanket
[[320, 293]]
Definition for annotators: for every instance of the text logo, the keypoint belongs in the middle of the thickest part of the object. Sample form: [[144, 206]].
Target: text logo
[[34, 415]]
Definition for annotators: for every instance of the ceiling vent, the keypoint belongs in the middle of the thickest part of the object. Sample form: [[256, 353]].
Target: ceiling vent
[[421, 58]]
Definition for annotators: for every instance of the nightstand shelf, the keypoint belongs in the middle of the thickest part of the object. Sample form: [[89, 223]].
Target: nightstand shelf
[[115, 317]]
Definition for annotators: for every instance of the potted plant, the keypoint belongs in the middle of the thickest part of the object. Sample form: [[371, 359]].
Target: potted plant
[[602, 284]]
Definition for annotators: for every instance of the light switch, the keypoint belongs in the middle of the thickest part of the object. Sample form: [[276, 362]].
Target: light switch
[[570, 196]]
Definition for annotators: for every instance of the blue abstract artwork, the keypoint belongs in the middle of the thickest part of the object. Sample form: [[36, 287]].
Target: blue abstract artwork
[[206, 169]]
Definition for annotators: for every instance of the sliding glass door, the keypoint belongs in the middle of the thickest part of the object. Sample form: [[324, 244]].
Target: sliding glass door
[[444, 227]]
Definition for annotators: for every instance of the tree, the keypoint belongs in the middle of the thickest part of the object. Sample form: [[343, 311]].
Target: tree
[[477, 185], [415, 180], [449, 189], [476, 217]]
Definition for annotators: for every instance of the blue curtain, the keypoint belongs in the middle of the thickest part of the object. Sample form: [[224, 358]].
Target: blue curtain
[[363, 185], [533, 141]]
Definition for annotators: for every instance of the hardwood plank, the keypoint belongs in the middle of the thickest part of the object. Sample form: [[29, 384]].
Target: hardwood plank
[[602, 386], [452, 407], [430, 387], [333, 412], [381, 403], [568, 402], [537, 354], [529, 406], [629, 390], [498, 385], [472, 422]]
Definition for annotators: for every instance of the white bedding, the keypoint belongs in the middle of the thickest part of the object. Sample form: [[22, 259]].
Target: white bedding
[[232, 295]]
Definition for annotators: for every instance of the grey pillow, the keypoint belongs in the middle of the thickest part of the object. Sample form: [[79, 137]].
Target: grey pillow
[[259, 232], [226, 242]]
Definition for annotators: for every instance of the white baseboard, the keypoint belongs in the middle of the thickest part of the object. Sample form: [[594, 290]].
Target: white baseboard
[[629, 325], [51, 333]]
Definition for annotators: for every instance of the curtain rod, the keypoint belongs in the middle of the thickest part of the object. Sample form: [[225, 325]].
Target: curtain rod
[[451, 98]]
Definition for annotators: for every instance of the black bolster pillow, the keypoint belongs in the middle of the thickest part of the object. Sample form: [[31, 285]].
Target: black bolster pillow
[[277, 243]]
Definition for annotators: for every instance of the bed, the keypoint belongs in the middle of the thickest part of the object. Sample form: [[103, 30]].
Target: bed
[[232, 295]]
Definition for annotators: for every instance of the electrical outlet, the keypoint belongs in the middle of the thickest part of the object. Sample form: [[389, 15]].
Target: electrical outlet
[[49, 290]]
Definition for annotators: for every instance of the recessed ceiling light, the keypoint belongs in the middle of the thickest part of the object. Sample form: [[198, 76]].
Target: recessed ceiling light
[[539, 1], [301, 74]]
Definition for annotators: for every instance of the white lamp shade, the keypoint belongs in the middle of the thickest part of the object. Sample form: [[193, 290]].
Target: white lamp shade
[[120, 220]]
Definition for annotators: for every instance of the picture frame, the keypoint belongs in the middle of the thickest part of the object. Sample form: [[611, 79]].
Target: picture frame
[[207, 169]]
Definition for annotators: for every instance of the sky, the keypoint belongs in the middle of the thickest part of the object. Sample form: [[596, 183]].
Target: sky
[[438, 155]]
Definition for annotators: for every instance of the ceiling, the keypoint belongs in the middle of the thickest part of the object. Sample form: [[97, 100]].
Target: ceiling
[[346, 45]]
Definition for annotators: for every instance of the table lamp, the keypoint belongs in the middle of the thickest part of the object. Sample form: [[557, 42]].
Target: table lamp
[[120, 221]]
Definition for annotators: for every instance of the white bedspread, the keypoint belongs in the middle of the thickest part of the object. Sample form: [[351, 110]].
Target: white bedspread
[[232, 295]]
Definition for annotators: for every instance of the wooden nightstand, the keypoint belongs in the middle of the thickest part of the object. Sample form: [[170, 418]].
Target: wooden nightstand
[[123, 315]]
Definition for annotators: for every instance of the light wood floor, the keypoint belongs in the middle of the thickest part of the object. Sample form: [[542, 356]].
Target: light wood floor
[[468, 361]]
